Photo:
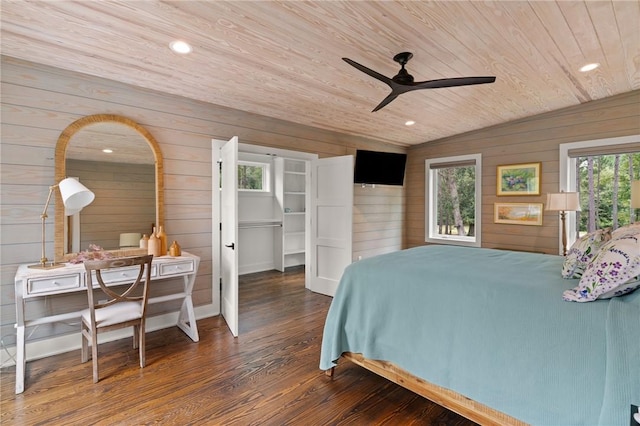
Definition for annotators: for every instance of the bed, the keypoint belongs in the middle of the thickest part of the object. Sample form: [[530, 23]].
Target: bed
[[487, 334]]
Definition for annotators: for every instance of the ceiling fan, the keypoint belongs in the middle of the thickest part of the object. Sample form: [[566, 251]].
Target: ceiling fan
[[403, 81]]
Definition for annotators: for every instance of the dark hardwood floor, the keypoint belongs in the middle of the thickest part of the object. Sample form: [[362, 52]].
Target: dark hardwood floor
[[267, 376]]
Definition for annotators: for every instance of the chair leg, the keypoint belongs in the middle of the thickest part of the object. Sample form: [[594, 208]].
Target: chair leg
[[94, 354], [84, 351], [136, 336], [142, 333]]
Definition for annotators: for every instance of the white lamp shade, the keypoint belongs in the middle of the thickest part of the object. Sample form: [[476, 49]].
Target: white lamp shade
[[130, 239], [563, 202], [635, 194], [75, 195]]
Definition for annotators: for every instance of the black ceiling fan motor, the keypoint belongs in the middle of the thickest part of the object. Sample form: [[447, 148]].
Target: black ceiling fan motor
[[403, 76]]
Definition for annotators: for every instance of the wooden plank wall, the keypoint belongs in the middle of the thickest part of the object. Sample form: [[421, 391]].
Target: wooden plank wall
[[534, 139], [378, 220], [38, 102]]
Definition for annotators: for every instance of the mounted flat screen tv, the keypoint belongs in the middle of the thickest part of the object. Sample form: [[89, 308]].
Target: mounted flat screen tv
[[383, 168]]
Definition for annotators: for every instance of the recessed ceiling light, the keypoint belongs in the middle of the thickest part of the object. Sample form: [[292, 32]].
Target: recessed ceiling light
[[180, 46], [589, 67], [409, 123], [107, 151]]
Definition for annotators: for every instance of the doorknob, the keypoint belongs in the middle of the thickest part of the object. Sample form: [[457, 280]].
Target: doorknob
[[232, 246]]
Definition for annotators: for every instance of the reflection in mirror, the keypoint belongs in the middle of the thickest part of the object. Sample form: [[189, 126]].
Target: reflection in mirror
[[118, 160], [118, 164]]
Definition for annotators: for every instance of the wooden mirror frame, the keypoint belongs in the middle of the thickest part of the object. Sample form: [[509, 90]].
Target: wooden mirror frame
[[60, 165]]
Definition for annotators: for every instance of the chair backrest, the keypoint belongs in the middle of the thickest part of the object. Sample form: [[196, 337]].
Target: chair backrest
[[124, 291]]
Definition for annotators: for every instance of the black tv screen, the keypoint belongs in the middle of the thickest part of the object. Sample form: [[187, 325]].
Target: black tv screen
[[383, 168]]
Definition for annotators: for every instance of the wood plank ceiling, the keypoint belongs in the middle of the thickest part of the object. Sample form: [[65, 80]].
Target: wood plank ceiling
[[282, 59]]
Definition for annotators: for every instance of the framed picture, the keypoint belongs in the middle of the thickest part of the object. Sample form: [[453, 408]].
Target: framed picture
[[519, 179], [518, 213]]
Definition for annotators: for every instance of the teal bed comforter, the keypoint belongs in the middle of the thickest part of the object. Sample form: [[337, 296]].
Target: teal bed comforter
[[492, 325]]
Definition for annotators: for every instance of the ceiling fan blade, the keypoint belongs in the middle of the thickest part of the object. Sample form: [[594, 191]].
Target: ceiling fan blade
[[368, 71], [386, 101], [452, 82]]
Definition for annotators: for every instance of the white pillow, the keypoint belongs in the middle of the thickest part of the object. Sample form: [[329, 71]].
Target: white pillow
[[613, 272], [583, 251]]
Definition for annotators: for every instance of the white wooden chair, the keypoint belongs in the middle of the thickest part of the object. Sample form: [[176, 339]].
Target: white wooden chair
[[120, 306]]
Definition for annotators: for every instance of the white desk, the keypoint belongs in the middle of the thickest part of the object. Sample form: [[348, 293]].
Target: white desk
[[34, 283]]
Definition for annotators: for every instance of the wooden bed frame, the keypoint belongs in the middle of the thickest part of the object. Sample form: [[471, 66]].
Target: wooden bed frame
[[447, 398]]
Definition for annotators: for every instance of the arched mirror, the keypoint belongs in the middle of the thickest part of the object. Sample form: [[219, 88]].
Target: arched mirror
[[121, 162]]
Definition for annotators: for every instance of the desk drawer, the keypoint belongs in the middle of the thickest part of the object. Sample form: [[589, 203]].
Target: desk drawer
[[122, 275], [55, 284], [176, 268]]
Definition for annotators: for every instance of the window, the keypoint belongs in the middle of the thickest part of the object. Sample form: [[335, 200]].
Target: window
[[253, 176], [452, 207], [601, 171]]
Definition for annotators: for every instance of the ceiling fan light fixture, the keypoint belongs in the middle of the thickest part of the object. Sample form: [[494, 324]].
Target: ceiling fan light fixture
[[181, 47], [589, 67]]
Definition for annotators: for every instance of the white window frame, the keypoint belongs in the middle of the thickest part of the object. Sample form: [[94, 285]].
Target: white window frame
[[266, 175], [567, 181], [431, 202]]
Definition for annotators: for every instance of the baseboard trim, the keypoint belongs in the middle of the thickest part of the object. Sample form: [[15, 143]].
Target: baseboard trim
[[70, 342], [255, 267]]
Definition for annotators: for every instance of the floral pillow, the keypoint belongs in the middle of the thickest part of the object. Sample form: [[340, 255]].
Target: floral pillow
[[613, 272], [632, 229], [622, 290], [583, 251]]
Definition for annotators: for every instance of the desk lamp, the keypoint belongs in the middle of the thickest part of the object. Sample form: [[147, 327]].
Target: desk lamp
[[75, 197]]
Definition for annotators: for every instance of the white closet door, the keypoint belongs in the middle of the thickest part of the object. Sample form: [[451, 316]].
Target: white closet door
[[229, 234], [331, 221]]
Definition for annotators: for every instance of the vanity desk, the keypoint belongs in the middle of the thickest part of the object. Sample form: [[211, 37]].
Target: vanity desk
[[36, 283]]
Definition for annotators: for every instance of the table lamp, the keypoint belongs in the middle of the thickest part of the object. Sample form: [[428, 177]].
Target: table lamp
[[75, 197], [563, 202], [635, 194]]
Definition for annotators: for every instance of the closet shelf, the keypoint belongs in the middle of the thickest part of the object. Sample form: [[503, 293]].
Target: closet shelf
[[259, 223], [292, 192], [297, 251]]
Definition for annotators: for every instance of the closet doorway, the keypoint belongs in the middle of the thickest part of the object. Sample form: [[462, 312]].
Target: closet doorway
[[267, 228], [326, 213]]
